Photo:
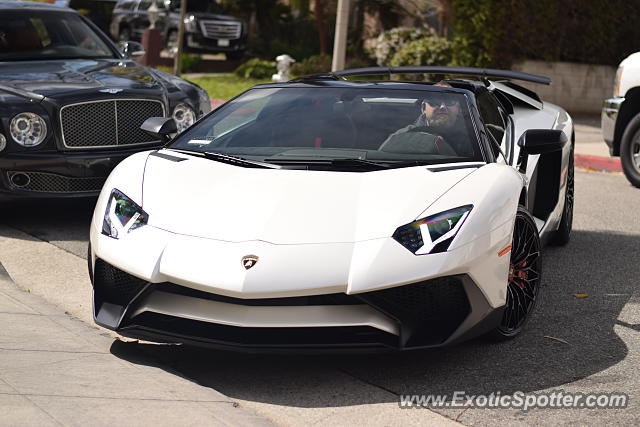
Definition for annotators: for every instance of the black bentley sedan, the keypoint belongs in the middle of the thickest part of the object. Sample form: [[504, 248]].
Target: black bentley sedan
[[71, 102]]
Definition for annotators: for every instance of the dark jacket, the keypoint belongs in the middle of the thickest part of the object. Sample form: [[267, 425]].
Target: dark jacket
[[420, 138]]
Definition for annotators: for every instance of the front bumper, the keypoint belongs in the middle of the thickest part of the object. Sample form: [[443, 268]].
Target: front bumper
[[374, 294], [196, 42], [608, 118], [57, 174]]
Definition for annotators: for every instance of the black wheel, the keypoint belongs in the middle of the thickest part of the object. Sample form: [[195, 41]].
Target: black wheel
[[523, 283], [630, 151], [124, 35], [562, 236]]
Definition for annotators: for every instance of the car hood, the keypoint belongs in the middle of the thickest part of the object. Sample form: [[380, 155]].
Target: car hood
[[59, 77], [209, 199]]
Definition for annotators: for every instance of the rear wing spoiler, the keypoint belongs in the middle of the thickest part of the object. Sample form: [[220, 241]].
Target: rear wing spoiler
[[482, 73]]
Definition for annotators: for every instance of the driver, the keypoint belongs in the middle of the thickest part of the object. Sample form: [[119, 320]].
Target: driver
[[438, 130]]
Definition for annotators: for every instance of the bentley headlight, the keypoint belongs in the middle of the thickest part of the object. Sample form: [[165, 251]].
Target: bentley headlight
[[28, 129], [122, 216], [3, 142], [184, 116], [434, 233]]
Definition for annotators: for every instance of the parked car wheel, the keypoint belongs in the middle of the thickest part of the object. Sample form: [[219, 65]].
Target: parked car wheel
[[630, 151], [124, 35], [524, 278]]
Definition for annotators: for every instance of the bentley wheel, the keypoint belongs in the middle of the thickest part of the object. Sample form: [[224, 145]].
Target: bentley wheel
[[523, 282], [630, 151]]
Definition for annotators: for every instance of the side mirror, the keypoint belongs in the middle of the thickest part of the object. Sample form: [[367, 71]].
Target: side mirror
[[160, 127], [542, 141], [132, 50]]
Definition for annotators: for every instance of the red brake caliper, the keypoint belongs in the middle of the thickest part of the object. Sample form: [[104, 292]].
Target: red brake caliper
[[521, 274]]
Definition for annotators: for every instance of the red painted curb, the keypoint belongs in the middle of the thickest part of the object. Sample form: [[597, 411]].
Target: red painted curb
[[215, 103], [610, 164]]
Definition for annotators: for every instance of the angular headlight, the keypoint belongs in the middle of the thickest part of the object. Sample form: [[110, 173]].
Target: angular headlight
[[28, 129], [434, 233], [122, 216], [184, 116]]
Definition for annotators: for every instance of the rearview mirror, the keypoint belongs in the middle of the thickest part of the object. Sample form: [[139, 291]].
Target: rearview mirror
[[160, 127], [132, 50], [541, 141]]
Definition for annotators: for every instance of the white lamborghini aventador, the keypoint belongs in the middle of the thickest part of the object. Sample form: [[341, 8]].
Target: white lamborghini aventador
[[327, 212]]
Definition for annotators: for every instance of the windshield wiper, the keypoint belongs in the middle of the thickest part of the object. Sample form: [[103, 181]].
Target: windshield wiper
[[345, 163], [232, 160]]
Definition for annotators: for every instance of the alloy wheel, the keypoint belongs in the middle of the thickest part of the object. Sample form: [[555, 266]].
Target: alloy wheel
[[524, 276]]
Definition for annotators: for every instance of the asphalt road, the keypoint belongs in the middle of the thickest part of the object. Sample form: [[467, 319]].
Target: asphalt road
[[587, 344]]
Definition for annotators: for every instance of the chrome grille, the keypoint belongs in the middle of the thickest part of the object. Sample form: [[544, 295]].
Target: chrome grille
[[221, 29], [111, 123], [45, 182]]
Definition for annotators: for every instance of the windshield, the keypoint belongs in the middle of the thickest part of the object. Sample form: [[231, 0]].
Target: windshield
[[29, 35], [323, 124]]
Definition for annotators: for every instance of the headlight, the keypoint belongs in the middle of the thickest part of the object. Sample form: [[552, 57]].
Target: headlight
[[122, 216], [184, 116], [616, 83], [434, 233], [28, 129], [3, 142], [190, 24]]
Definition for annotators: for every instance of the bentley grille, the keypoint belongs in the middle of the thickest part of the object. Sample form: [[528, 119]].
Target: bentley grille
[[112, 123], [221, 29], [45, 182]]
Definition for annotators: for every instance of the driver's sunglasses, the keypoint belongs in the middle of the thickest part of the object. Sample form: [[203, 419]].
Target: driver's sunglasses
[[437, 101]]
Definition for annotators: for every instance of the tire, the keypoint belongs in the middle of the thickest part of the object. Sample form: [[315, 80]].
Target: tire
[[562, 236], [124, 35], [523, 283], [630, 151]]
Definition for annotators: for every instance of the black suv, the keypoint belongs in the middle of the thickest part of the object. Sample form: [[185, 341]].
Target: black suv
[[208, 28]]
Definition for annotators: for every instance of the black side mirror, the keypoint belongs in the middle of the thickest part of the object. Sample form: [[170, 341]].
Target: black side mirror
[[132, 50], [542, 141], [160, 127]]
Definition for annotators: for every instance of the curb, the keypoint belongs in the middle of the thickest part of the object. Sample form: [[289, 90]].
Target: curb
[[608, 164], [215, 103]]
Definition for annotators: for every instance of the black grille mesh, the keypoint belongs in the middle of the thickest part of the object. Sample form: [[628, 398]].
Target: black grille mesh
[[115, 286], [94, 124], [429, 311], [45, 182], [131, 115], [89, 125]]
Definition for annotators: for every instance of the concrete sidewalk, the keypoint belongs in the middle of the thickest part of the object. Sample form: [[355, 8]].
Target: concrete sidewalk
[[57, 370]]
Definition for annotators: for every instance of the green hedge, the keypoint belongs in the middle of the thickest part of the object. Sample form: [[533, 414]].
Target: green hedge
[[499, 33]]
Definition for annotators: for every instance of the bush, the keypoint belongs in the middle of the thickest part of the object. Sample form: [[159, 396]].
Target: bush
[[488, 33], [316, 64], [190, 62], [256, 68], [430, 50], [390, 42]]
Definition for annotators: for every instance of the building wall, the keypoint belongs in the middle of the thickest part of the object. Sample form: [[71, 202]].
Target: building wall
[[578, 88]]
